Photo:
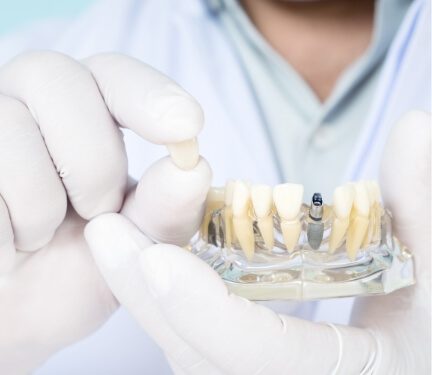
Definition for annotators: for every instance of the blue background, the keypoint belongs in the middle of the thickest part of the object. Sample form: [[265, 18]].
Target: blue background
[[18, 13]]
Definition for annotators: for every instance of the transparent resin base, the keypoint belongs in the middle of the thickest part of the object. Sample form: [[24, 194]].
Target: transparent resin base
[[382, 267]]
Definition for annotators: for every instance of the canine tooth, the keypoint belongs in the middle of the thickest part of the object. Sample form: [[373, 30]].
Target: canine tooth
[[262, 201], [359, 220], [343, 198], [288, 199], [184, 154], [242, 222], [228, 215]]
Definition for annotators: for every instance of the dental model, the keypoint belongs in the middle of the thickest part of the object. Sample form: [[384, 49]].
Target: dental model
[[266, 244]]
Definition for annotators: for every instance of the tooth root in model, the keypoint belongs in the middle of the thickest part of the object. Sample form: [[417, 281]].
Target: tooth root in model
[[359, 220], [343, 198], [214, 201], [288, 199], [262, 200], [228, 214], [242, 222]]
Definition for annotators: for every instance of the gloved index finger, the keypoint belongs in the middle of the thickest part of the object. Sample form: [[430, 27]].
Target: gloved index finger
[[147, 102], [82, 139]]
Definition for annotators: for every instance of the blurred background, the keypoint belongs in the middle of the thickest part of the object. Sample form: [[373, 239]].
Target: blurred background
[[20, 13]]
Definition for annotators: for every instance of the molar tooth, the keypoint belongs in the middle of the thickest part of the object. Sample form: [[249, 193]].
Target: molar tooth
[[242, 222], [184, 154], [262, 201], [288, 199], [359, 220], [343, 198]]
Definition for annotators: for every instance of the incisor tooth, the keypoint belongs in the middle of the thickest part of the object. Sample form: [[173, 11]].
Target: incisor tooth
[[184, 154], [242, 222], [288, 199], [228, 215], [262, 201], [343, 198], [359, 220]]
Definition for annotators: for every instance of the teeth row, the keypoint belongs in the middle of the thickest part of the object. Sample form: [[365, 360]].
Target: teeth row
[[357, 211], [242, 199], [356, 208]]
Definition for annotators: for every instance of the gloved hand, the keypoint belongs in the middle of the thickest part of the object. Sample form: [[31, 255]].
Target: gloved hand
[[185, 307], [63, 162]]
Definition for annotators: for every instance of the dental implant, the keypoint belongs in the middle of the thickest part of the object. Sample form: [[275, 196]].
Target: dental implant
[[315, 229]]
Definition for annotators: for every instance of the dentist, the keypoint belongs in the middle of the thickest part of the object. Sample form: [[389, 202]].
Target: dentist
[[272, 113]]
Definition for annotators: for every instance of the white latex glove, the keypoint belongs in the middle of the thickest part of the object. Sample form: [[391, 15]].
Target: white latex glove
[[203, 329], [59, 143]]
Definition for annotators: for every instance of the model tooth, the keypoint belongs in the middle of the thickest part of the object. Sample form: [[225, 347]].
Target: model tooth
[[242, 222], [343, 198], [288, 199], [184, 154], [228, 215], [214, 201], [374, 229], [359, 220], [262, 201]]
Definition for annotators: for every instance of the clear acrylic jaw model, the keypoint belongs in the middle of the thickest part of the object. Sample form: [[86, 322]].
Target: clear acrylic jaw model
[[329, 257]]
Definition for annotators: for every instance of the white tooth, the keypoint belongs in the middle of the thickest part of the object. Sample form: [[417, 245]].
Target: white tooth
[[373, 191], [374, 229], [184, 154], [228, 215], [343, 198], [229, 191], [361, 199], [359, 220], [214, 201], [242, 222], [262, 201], [241, 198], [288, 199]]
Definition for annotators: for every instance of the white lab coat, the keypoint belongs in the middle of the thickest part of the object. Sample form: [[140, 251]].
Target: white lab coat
[[184, 40]]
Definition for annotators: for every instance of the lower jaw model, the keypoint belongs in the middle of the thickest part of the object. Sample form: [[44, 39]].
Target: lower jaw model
[[267, 244]]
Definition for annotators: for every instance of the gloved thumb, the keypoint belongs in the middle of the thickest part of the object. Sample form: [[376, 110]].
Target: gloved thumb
[[168, 202], [197, 307]]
